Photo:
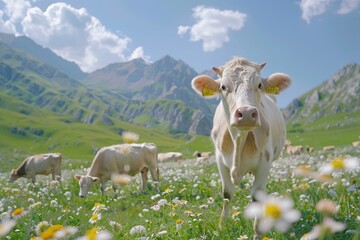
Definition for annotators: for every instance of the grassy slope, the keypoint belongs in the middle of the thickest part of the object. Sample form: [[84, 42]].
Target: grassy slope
[[340, 130]]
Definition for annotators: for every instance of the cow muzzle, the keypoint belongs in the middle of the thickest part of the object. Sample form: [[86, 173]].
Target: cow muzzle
[[246, 117]]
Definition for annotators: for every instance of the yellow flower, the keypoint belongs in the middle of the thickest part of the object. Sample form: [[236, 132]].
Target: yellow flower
[[272, 210], [50, 232], [91, 234], [94, 218], [18, 213], [338, 163], [179, 221]]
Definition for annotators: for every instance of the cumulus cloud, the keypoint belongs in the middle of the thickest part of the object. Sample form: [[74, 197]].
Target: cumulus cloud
[[70, 32], [212, 26], [312, 8], [139, 53], [348, 6]]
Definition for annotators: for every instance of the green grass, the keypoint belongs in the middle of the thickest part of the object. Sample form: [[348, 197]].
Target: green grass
[[199, 188]]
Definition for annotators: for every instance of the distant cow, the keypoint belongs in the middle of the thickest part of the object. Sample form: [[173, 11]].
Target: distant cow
[[129, 159], [248, 127], [309, 149], [170, 156], [202, 154], [294, 150], [356, 144], [328, 148], [41, 164]]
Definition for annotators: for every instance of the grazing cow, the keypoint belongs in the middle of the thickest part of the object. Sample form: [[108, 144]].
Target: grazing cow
[[170, 156], [328, 148], [202, 154], [294, 150], [43, 164], [248, 127], [309, 149], [356, 144], [128, 159]]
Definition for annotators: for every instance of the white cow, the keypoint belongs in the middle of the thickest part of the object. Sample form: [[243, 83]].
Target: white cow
[[43, 164], [128, 159], [170, 156], [248, 129]]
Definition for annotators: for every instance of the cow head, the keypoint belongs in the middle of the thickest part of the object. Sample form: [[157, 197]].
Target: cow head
[[241, 88], [13, 176], [85, 183]]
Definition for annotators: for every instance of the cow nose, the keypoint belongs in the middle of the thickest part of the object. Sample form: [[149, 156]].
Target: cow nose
[[246, 116], [82, 196]]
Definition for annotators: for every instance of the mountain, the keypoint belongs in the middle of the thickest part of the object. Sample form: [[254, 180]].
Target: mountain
[[339, 94], [329, 114], [28, 46], [162, 88]]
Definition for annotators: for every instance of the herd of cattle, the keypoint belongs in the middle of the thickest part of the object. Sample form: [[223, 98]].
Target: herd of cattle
[[248, 133]]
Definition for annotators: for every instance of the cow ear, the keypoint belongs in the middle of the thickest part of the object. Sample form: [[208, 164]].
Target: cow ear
[[77, 177], [205, 86], [262, 65], [276, 83]]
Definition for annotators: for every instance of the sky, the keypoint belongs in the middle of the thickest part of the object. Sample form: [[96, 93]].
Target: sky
[[310, 40]]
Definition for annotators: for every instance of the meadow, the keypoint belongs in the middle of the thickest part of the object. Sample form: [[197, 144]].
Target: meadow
[[186, 205]]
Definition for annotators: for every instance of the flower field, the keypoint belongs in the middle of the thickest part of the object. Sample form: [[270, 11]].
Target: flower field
[[321, 191]]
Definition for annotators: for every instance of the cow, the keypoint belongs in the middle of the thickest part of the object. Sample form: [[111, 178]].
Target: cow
[[356, 144], [40, 164], [129, 159], [170, 156], [248, 127], [294, 150], [201, 154], [328, 148]]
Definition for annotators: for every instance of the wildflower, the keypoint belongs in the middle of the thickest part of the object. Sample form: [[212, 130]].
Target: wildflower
[[235, 213], [272, 212], [326, 206], [182, 190], [155, 207], [41, 227], [326, 228], [66, 231], [243, 237], [210, 200], [17, 213], [50, 232], [115, 226], [54, 184], [340, 163], [179, 223], [155, 196], [120, 179], [98, 207], [37, 204], [53, 203], [6, 226], [96, 234], [161, 233], [162, 202], [168, 190], [130, 137], [94, 218], [137, 230]]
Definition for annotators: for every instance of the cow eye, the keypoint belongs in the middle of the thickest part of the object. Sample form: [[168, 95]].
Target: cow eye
[[223, 87], [260, 85]]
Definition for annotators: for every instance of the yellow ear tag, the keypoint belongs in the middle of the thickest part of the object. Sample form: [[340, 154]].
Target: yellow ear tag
[[273, 90], [206, 91]]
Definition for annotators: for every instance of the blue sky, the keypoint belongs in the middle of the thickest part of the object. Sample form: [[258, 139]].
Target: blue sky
[[308, 39]]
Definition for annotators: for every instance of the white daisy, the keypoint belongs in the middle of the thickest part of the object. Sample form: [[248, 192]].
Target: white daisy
[[272, 212]]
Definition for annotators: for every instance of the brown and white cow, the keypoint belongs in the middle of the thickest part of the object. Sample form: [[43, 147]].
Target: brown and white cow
[[248, 127], [44, 164], [129, 159]]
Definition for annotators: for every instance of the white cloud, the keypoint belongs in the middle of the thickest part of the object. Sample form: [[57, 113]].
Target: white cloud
[[71, 33], [348, 6], [212, 26], [312, 8], [6, 26], [139, 53]]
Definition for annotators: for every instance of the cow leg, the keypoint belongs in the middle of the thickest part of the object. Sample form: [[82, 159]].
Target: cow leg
[[260, 185], [102, 188], [144, 178], [228, 188]]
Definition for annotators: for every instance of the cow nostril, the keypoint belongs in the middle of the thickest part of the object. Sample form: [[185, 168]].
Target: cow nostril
[[82, 196], [254, 115]]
